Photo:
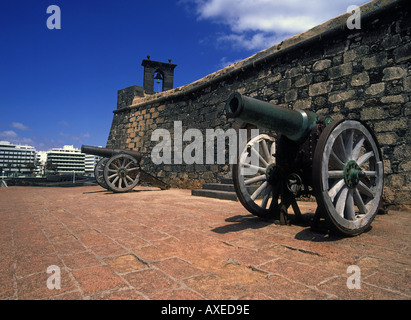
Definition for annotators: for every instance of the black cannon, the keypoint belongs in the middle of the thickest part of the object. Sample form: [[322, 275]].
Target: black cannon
[[119, 169], [337, 162]]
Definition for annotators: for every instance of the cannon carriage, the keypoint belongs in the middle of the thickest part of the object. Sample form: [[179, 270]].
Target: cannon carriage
[[337, 162], [119, 170]]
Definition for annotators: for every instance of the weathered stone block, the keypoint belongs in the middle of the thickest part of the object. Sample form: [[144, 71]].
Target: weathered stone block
[[407, 84], [302, 104], [355, 53], [354, 104], [293, 72], [284, 85], [321, 65], [290, 95], [372, 114], [393, 99], [375, 61], [402, 152], [403, 53], [390, 125], [387, 138], [375, 88], [396, 181], [320, 88], [393, 73], [360, 79], [387, 166], [304, 80], [405, 166], [341, 96], [340, 71]]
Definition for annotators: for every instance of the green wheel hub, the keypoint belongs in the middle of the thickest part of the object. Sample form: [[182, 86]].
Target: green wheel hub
[[352, 174], [272, 173]]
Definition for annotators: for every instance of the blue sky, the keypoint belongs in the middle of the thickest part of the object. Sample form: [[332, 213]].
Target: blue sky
[[59, 87]]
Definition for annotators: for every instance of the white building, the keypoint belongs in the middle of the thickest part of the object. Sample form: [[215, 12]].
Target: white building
[[23, 160], [42, 157], [41, 162], [90, 163], [66, 160], [16, 160]]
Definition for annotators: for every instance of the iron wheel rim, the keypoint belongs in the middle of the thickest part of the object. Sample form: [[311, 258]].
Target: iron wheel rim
[[122, 173], [256, 192], [349, 205]]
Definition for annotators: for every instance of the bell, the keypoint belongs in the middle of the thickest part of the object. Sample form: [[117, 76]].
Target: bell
[[158, 77]]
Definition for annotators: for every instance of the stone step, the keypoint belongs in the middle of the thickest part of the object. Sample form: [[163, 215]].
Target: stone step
[[219, 187], [227, 181], [217, 194], [223, 190]]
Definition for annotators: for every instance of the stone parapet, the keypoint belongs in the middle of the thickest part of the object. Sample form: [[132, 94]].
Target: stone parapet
[[352, 74]]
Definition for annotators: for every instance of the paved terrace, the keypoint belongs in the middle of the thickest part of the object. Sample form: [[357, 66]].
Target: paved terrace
[[150, 244]]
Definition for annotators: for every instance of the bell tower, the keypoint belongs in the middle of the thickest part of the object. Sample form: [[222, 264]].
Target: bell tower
[[161, 72]]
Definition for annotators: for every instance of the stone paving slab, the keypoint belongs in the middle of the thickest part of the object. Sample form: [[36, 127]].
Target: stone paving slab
[[168, 245]]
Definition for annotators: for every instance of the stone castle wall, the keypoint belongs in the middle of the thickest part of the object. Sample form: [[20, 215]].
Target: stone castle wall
[[353, 74]]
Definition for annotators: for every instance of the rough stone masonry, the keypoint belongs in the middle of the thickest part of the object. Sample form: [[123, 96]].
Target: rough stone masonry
[[362, 74]]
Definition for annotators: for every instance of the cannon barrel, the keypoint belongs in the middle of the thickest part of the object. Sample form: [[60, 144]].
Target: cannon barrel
[[294, 124], [109, 152]]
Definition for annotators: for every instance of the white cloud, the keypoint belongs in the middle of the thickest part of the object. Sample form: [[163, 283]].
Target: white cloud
[[259, 24], [9, 134], [19, 126], [12, 137], [254, 42], [260, 15]]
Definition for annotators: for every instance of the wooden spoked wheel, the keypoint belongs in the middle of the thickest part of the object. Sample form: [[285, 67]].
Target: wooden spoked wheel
[[348, 176], [254, 177], [99, 173], [121, 173]]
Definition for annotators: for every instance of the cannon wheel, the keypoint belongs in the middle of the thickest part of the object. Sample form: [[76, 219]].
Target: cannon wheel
[[121, 173], [99, 173], [348, 176], [254, 190]]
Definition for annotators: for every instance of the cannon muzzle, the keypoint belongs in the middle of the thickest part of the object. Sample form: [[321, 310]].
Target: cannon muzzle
[[108, 152], [294, 124]]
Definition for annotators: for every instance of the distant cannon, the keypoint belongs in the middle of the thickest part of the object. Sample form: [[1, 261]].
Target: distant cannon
[[338, 162], [119, 169]]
